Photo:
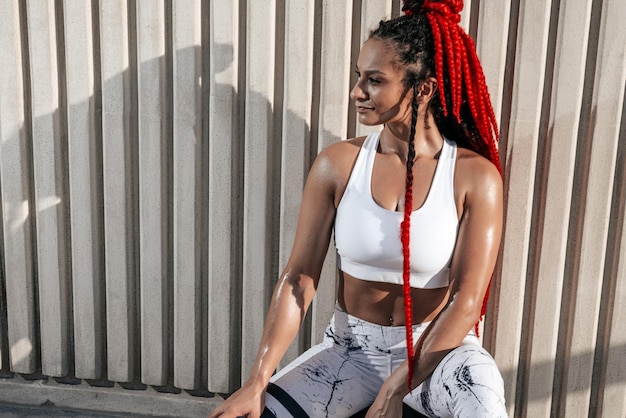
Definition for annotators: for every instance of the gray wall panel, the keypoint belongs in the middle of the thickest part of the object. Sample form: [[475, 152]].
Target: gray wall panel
[[15, 182], [224, 206], [188, 175], [154, 156], [49, 149], [118, 145], [85, 187]]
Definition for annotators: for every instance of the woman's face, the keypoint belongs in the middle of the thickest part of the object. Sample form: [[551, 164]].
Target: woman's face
[[379, 94]]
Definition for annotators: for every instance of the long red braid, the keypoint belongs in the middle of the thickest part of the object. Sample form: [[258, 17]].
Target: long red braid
[[405, 237], [455, 55]]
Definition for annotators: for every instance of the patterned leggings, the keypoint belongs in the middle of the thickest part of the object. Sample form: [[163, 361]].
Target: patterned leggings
[[342, 375]]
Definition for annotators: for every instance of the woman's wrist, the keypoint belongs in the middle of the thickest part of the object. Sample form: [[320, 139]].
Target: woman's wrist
[[258, 382], [397, 384]]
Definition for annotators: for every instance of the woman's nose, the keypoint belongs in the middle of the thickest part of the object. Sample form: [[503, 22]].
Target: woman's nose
[[357, 93]]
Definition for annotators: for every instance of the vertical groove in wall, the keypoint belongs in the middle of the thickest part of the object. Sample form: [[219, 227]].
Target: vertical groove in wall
[[238, 157], [316, 100], [396, 8], [5, 367], [274, 154], [609, 285], [4, 326], [203, 189], [132, 193], [473, 19], [509, 77], [64, 226], [168, 196], [355, 47], [532, 273], [26, 151], [99, 273], [201, 160], [608, 354], [8, 32]]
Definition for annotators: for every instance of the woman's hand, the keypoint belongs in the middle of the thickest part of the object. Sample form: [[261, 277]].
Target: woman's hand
[[387, 404], [247, 402]]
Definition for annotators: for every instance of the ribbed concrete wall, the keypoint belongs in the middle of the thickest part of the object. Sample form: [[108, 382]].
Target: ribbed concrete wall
[[152, 158]]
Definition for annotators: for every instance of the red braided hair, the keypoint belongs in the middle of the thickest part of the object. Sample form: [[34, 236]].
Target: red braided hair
[[462, 64], [454, 56], [405, 238]]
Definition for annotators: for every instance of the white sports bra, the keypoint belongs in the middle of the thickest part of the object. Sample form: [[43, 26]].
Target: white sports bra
[[367, 236]]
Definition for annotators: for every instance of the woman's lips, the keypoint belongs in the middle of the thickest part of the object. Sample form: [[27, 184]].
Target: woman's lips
[[362, 109]]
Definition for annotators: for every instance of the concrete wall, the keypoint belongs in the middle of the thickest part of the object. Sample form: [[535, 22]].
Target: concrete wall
[[152, 158]]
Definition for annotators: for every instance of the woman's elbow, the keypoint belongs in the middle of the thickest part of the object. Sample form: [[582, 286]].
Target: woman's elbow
[[468, 307], [299, 286]]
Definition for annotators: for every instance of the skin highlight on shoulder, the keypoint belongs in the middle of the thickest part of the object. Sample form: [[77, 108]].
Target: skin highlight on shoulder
[[476, 180], [475, 167], [335, 163]]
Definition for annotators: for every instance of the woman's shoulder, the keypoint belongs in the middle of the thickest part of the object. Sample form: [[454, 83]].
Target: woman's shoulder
[[475, 171], [341, 155], [341, 148], [334, 163], [472, 163]]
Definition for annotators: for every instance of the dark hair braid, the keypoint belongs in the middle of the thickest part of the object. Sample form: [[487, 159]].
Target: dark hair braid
[[405, 236], [428, 41]]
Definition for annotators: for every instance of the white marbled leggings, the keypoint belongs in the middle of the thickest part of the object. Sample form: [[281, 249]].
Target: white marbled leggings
[[342, 375]]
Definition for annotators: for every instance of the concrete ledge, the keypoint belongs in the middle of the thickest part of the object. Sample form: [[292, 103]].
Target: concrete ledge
[[98, 401]]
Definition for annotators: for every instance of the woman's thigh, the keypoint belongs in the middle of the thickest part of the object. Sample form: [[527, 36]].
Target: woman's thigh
[[324, 382], [466, 383]]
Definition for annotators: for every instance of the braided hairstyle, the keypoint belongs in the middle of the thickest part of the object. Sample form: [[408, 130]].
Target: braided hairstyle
[[428, 42]]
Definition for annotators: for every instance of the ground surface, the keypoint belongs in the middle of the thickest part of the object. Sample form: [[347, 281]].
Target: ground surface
[[47, 398]]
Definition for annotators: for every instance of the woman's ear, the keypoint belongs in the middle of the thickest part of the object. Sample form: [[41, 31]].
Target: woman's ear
[[426, 89]]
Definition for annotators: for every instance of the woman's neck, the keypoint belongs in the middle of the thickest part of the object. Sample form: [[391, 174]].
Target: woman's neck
[[394, 139]]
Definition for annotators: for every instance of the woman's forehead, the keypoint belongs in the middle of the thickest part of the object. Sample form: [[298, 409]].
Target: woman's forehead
[[377, 55]]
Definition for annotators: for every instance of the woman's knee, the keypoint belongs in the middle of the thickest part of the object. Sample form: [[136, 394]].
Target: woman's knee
[[474, 382]]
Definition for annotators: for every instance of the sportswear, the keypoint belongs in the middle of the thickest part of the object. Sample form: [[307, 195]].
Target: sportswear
[[367, 236], [342, 375]]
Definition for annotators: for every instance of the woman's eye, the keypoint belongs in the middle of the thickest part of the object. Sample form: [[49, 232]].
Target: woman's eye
[[370, 80]]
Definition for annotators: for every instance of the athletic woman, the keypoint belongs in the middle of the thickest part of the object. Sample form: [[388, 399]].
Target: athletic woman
[[416, 211]]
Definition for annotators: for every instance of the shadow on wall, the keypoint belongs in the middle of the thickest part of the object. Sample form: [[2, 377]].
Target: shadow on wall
[[97, 291]]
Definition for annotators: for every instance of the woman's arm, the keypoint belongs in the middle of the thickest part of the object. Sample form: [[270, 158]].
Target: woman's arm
[[295, 288], [472, 265]]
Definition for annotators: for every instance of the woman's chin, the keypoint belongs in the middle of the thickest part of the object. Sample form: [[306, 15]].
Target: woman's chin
[[367, 121]]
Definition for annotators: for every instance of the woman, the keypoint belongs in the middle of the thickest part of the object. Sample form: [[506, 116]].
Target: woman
[[419, 77]]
